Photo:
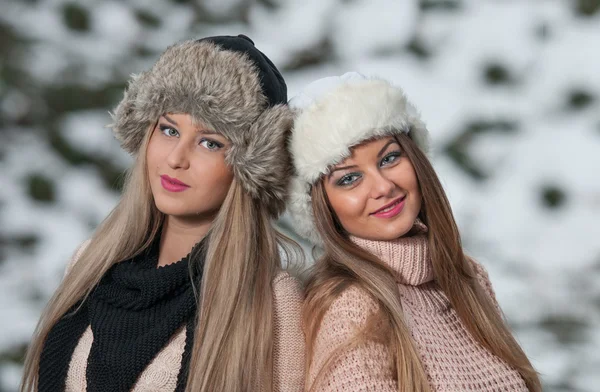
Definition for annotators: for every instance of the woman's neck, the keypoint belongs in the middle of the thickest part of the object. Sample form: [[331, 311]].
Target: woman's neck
[[407, 256], [179, 237]]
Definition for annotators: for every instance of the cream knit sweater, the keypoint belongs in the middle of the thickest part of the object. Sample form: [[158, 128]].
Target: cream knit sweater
[[161, 373], [452, 359]]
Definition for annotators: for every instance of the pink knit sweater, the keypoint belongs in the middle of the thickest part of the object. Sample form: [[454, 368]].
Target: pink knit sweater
[[161, 373], [452, 359]]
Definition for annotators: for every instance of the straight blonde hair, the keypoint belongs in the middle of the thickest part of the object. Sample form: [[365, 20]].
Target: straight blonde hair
[[344, 264], [233, 345]]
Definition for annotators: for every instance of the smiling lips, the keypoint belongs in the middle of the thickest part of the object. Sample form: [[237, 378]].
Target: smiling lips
[[392, 209], [173, 184]]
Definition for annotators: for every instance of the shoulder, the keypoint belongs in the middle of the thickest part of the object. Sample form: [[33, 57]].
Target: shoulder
[[480, 273], [76, 255], [288, 296], [483, 279], [479, 269], [286, 286]]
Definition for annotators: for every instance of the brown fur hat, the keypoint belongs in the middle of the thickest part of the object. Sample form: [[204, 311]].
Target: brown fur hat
[[228, 85]]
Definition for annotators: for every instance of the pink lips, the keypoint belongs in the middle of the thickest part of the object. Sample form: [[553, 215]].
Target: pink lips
[[396, 207], [173, 184]]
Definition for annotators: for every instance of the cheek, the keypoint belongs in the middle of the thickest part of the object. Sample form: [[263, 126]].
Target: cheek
[[404, 177], [213, 175], [418, 198], [413, 187], [348, 205], [222, 172], [155, 153]]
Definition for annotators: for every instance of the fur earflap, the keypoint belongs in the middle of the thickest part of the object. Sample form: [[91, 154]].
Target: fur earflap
[[300, 208], [332, 116], [221, 90], [262, 162]]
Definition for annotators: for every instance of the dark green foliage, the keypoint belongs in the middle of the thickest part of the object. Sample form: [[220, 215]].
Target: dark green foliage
[[552, 197], [113, 177], [495, 74], [441, 5], [319, 54], [111, 174], [543, 31], [26, 241], [40, 188], [579, 99], [67, 98], [61, 146], [482, 126], [8, 39], [457, 149], [418, 49], [458, 154], [586, 7], [270, 4], [15, 356], [147, 19], [565, 328], [76, 17], [143, 51]]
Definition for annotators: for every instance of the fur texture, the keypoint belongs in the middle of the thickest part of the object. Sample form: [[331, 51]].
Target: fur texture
[[332, 116], [262, 163], [221, 90]]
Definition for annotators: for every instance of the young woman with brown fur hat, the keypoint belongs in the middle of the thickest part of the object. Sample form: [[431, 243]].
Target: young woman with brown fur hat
[[393, 303], [180, 288]]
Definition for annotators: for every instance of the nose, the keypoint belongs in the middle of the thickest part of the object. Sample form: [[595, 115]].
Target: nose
[[381, 186], [178, 158]]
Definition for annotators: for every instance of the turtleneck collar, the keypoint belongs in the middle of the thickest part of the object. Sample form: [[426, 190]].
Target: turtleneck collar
[[407, 256]]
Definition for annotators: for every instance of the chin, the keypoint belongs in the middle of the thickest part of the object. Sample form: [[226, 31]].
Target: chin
[[174, 209], [395, 230], [393, 235]]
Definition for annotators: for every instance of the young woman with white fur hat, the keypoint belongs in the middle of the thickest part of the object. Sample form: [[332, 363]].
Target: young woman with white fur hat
[[393, 303], [181, 287]]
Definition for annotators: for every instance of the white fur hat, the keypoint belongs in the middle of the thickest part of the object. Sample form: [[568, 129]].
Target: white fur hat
[[334, 114]]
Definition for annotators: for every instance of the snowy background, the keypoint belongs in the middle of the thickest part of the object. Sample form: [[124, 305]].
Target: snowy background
[[509, 89]]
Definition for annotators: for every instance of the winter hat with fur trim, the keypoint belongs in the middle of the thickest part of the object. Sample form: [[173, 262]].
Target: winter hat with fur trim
[[334, 114], [229, 86]]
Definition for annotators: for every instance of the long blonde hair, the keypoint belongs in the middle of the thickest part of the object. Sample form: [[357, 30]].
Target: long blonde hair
[[233, 346], [344, 264]]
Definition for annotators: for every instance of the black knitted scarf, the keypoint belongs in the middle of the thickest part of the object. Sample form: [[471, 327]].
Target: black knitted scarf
[[133, 313]]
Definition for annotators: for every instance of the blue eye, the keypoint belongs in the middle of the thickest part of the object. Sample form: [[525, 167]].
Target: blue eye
[[168, 131], [390, 158], [348, 179], [211, 144]]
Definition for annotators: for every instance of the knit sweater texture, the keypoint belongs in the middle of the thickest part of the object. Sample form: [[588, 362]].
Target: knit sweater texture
[[452, 359], [162, 372]]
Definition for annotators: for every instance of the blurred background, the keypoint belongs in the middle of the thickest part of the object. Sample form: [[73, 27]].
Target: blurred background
[[510, 91]]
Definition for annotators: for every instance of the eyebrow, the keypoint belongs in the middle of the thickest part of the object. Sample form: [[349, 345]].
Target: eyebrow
[[205, 131], [208, 132], [353, 166], [169, 119], [386, 146], [340, 168]]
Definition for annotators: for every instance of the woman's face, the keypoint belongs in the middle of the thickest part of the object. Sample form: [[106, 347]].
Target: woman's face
[[186, 167], [374, 192]]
